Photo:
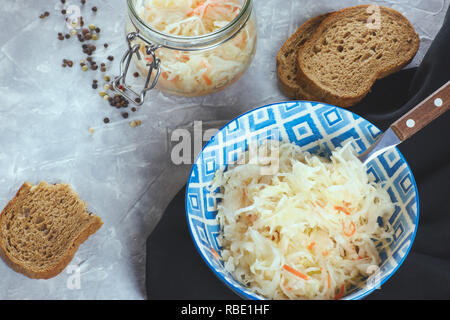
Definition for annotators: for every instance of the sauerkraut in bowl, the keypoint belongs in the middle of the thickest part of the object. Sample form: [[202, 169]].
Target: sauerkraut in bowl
[[308, 230], [197, 72], [305, 220]]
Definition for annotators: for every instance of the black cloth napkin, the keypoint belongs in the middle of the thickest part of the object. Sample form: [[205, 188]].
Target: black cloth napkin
[[175, 270]]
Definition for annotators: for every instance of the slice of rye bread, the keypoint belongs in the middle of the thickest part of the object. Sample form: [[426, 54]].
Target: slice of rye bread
[[42, 227], [287, 59], [351, 49]]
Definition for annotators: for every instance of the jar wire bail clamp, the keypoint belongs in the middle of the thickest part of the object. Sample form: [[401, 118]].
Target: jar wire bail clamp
[[119, 83]]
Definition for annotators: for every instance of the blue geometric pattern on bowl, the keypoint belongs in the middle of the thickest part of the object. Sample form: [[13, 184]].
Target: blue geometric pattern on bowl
[[317, 128]]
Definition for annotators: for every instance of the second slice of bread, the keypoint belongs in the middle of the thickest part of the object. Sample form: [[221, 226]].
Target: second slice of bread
[[287, 59], [346, 54], [42, 227]]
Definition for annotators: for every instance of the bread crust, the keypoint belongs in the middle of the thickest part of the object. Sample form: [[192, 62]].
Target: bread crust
[[90, 229], [327, 95], [295, 92]]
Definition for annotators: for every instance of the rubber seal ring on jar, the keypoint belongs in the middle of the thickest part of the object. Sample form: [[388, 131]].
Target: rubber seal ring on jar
[[154, 69]]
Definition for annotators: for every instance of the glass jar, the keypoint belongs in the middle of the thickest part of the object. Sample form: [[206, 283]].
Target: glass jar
[[187, 65]]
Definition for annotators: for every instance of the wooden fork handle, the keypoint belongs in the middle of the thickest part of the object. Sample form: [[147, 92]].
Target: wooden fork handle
[[425, 112]]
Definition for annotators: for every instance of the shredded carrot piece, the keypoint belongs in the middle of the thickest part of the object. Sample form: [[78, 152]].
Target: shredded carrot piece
[[205, 76], [325, 253], [340, 293], [295, 272], [329, 281], [201, 4], [165, 75], [204, 64], [342, 209], [197, 9], [215, 253], [207, 80], [352, 231], [210, 5], [183, 58], [311, 245]]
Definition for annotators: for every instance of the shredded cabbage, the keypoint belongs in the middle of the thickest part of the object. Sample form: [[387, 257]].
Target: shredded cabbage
[[308, 230], [204, 72]]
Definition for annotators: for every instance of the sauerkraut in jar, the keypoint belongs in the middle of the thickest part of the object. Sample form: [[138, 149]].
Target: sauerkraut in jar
[[203, 45]]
